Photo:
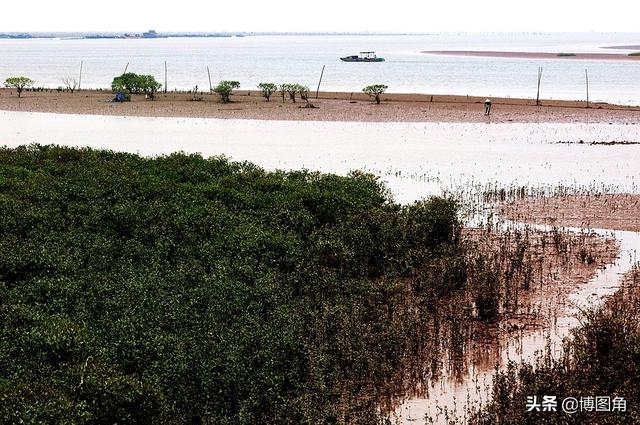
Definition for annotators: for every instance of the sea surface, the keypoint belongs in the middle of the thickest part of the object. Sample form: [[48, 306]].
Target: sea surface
[[255, 59]]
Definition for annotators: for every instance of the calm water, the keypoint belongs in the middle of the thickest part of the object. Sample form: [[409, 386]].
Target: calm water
[[300, 59], [415, 159]]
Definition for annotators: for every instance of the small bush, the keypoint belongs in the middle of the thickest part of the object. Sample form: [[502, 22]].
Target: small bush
[[293, 90], [375, 90], [267, 89], [303, 91], [282, 88], [70, 84], [224, 89]]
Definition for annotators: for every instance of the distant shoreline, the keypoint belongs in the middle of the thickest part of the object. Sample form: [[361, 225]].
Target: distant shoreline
[[330, 106], [628, 47], [536, 55], [133, 35]]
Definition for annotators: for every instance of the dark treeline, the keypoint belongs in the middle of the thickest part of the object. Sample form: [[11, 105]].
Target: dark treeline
[[179, 289]]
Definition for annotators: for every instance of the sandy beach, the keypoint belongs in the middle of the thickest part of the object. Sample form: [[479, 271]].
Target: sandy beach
[[537, 55], [330, 106]]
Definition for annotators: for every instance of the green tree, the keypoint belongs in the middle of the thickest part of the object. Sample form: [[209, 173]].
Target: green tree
[[18, 83], [303, 91], [267, 89], [293, 90], [283, 88], [129, 82], [375, 90], [149, 85], [136, 84], [224, 89]]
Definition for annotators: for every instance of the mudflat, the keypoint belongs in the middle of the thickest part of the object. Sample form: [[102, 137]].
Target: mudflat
[[616, 211], [329, 106]]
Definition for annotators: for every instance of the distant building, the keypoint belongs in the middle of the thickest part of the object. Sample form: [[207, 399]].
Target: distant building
[[15, 35], [150, 34]]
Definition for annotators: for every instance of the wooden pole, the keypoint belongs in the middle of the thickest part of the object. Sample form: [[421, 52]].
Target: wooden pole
[[320, 82], [209, 74], [586, 78], [80, 77], [125, 68], [165, 77], [539, 79]]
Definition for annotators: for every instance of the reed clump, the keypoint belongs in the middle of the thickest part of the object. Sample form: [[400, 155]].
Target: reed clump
[[600, 360]]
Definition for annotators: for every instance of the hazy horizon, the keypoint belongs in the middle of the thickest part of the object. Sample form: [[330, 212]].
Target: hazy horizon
[[404, 16], [319, 32]]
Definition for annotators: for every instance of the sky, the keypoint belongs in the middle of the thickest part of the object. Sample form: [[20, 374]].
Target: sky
[[327, 16]]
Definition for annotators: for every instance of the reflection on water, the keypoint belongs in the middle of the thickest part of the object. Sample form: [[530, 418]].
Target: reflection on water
[[454, 394]]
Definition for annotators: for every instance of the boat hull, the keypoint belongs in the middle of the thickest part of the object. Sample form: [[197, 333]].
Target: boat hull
[[348, 59]]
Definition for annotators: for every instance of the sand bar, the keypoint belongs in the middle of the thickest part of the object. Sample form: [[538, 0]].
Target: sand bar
[[536, 55], [331, 106], [628, 47]]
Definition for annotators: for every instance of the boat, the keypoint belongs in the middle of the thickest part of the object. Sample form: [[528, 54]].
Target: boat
[[363, 57], [150, 34]]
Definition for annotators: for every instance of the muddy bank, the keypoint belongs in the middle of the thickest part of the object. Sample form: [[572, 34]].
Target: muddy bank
[[565, 271], [610, 211], [331, 106], [533, 274]]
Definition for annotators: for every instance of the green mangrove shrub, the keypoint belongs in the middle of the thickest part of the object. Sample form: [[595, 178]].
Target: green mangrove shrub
[[375, 90], [180, 289], [292, 90], [224, 89], [267, 89], [19, 83], [132, 83]]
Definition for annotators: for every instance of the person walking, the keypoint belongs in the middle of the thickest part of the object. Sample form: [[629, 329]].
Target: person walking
[[487, 107]]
